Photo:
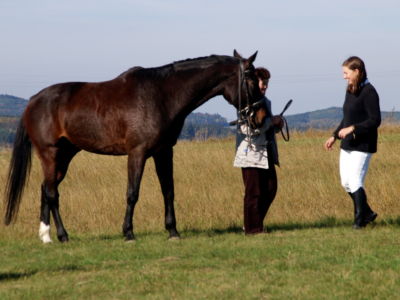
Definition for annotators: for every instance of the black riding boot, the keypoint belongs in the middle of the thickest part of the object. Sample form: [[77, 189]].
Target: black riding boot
[[363, 213], [354, 205]]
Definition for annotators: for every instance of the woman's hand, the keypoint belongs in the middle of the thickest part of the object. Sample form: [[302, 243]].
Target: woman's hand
[[346, 131], [329, 143]]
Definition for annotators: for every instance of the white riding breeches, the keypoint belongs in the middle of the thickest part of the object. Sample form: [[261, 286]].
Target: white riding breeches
[[353, 168]]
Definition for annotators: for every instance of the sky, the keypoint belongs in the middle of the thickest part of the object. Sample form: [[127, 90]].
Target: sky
[[302, 43]]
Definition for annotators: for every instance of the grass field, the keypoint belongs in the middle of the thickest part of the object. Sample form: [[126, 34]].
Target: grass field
[[311, 251], [333, 262]]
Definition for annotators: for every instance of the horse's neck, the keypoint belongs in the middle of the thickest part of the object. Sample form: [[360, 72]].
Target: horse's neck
[[198, 89]]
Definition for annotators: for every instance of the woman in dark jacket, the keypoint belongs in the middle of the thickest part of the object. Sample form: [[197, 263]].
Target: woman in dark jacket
[[358, 132]]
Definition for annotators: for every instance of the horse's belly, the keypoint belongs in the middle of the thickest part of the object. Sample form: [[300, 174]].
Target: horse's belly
[[98, 143], [100, 148], [109, 150], [96, 135]]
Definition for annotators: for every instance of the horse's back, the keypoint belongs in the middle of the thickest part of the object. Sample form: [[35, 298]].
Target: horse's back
[[92, 116]]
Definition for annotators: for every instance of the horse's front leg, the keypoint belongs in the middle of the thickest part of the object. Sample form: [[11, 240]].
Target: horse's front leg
[[164, 167], [136, 163]]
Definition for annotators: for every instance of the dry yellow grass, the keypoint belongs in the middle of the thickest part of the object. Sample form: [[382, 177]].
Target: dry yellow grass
[[209, 189]]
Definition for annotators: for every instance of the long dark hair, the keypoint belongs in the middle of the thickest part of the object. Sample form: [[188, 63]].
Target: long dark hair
[[356, 63]]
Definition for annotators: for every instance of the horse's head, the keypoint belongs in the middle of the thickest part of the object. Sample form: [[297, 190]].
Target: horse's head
[[244, 93]]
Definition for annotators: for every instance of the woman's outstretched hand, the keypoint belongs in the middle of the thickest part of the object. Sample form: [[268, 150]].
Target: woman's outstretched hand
[[329, 143]]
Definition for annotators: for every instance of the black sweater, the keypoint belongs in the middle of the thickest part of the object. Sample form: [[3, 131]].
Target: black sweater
[[361, 110]]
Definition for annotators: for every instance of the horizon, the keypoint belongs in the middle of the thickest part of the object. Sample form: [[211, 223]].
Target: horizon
[[302, 44], [216, 113]]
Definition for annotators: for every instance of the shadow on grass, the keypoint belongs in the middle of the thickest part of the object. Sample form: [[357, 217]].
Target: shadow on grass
[[20, 275], [15, 275], [329, 222]]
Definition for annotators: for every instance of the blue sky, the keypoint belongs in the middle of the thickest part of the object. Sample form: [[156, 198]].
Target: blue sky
[[302, 43]]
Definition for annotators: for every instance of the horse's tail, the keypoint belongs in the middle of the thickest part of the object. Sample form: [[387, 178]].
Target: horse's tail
[[20, 165]]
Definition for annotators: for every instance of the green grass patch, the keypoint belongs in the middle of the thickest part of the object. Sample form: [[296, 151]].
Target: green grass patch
[[322, 260]]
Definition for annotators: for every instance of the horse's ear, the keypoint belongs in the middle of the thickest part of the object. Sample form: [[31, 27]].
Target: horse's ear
[[236, 54], [252, 58]]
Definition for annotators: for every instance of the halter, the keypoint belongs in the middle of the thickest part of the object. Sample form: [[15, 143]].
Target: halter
[[247, 113]]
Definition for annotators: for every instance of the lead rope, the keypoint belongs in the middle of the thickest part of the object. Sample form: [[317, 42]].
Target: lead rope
[[285, 124], [242, 78], [239, 116]]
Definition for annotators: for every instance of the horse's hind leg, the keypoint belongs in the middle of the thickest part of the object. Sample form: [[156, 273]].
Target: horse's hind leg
[[55, 163], [136, 162], [164, 167]]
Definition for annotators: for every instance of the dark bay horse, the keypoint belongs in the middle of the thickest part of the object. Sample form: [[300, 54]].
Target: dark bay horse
[[140, 113]]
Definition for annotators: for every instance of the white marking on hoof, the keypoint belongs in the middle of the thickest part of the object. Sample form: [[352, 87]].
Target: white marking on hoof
[[44, 233]]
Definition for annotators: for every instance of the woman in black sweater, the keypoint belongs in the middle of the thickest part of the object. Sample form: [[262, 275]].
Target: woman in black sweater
[[358, 132]]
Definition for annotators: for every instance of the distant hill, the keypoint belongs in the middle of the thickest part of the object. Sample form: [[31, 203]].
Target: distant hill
[[328, 118], [204, 126], [197, 125], [11, 106]]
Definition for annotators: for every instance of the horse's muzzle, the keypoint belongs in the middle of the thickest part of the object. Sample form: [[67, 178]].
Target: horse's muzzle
[[258, 116]]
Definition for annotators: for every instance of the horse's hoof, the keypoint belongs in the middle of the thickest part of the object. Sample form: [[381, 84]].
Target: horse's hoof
[[174, 238], [129, 238], [63, 238]]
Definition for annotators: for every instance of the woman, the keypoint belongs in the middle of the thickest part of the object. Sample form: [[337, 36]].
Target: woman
[[257, 155], [358, 132]]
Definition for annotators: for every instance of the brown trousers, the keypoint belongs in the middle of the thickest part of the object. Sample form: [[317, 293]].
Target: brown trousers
[[260, 190]]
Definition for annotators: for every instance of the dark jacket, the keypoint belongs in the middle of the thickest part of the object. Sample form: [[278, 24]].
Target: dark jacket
[[361, 110], [270, 135]]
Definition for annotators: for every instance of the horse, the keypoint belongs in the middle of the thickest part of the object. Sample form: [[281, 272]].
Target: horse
[[140, 113]]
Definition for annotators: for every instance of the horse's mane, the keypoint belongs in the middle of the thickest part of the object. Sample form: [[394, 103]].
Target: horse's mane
[[181, 65], [130, 71], [201, 62]]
